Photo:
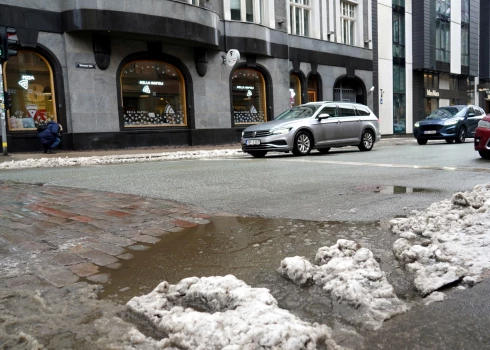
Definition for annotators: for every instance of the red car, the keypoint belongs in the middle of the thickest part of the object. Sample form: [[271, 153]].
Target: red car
[[482, 137]]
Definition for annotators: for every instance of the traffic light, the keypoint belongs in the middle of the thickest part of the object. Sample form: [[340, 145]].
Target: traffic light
[[8, 42], [7, 100]]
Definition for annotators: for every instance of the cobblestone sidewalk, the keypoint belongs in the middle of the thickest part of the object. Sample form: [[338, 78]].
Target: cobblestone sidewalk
[[63, 235], [53, 241]]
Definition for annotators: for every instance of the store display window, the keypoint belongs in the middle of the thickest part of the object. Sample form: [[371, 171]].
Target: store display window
[[313, 88], [294, 90], [153, 95], [29, 81], [248, 96]]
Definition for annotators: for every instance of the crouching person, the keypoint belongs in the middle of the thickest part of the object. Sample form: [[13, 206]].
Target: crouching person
[[50, 136]]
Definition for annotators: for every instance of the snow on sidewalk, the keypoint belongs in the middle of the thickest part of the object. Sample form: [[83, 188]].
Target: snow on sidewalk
[[224, 313], [116, 159], [349, 274], [447, 242]]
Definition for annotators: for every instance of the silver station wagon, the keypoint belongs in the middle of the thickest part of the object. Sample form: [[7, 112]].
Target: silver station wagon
[[315, 125]]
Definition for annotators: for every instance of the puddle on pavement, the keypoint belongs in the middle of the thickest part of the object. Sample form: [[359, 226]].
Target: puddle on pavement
[[252, 249], [394, 189]]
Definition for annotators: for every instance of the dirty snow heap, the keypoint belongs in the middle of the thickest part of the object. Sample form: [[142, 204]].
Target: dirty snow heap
[[351, 275], [225, 313], [447, 242]]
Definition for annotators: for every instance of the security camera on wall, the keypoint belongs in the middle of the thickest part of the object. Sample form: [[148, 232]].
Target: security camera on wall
[[371, 89]]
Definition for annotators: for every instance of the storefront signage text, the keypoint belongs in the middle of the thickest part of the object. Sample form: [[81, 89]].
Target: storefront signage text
[[28, 77], [241, 87], [86, 65], [432, 93], [144, 82]]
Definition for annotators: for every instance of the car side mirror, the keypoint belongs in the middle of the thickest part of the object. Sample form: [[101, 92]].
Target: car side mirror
[[323, 116]]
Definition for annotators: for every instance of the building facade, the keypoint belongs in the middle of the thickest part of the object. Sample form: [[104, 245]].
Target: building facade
[[123, 73], [428, 51]]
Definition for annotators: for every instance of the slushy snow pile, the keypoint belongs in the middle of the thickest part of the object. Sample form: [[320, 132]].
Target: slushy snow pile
[[224, 313], [447, 242], [116, 159], [351, 275]]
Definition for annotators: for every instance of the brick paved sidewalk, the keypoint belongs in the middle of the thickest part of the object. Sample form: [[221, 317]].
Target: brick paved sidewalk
[[63, 235]]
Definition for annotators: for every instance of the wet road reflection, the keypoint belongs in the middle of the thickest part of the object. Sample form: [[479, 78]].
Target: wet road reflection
[[252, 249]]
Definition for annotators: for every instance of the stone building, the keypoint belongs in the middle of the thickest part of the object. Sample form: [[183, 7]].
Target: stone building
[[121, 73]]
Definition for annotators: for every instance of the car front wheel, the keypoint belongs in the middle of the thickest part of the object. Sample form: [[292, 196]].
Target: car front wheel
[[461, 135], [422, 141], [302, 144], [367, 141], [258, 154], [485, 154]]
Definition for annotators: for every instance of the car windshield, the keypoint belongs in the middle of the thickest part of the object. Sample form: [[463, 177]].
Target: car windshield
[[448, 112], [299, 112]]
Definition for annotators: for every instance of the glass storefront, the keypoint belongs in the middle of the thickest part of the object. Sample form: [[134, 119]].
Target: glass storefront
[[29, 81], [153, 95], [248, 96], [294, 90]]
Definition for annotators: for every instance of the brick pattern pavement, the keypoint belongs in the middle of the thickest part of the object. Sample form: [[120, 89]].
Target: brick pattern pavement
[[63, 235]]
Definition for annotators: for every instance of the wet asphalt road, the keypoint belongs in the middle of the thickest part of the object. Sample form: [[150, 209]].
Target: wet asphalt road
[[339, 186]]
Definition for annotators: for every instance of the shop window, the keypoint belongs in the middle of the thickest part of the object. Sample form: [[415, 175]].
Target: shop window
[[153, 95], [313, 88], [294, 90], [248, 96], [29, 81]]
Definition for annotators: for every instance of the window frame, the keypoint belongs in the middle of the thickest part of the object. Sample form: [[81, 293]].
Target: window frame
[[52, 87], [183, 96], [258, 9], [303, 7], [349, 22], [263, 98]]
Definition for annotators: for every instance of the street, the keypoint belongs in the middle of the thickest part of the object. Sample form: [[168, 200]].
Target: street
[[189, 209]]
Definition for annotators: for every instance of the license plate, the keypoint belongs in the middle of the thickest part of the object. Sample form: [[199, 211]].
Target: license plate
[[252, 142], [430, 132]]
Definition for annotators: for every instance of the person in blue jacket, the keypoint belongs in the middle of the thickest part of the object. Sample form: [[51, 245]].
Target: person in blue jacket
[[50, 136]]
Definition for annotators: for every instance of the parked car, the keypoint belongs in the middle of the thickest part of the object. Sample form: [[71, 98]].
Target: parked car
[[314, 125], [482, 137], [452, 123]]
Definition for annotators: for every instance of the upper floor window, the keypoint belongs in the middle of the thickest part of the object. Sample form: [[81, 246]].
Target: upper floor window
[[398, 34], [443, 9], [443, 41], [194, 2], [347, 22], [246, 10], [465, 32], [300, 15]]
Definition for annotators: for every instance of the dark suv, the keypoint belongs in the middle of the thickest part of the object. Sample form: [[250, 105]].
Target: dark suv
[[451, 123]]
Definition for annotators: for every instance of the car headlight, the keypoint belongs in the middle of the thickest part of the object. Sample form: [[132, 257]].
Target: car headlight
[[281, 131], [484, 124], [416, 124], [243, 133], [451, 122]]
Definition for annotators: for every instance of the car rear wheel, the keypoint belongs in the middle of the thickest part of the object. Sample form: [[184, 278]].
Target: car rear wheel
[[367, 141], [422, 141], [485, 154], [461, 135], [449, 140], [324, 150], [258, 154], [302, 144]]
